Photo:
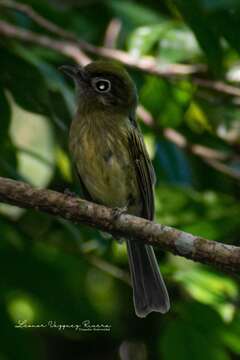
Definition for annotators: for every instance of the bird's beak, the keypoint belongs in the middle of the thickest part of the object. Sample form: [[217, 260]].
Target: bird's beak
[[70, 70]]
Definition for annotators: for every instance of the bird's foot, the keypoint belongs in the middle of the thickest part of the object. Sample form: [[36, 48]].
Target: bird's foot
[[117, 211]]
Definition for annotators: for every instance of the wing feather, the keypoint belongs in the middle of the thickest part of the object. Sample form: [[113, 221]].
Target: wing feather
[[144, 170]]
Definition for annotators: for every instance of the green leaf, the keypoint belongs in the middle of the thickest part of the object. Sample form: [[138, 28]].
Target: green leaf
[[208, 287], [134, 14], [165, 102], [32, 135], [142, 40], [168, 41], [154, 93], [177, 44]]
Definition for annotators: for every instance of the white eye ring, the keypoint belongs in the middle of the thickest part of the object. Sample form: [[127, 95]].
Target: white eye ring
[[101, 85]]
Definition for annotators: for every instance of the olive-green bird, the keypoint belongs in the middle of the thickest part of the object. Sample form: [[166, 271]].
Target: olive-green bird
[[113, 166]]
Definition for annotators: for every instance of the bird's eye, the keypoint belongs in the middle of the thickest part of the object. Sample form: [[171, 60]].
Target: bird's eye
[[102, 85]]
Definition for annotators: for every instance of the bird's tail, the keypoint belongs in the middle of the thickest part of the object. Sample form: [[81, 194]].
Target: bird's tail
[[149, 290]]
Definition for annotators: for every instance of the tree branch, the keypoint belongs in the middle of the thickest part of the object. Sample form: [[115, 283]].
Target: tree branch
[[225, 257], [63, 47], [146, 63], [74, 47], [212, 157], [37, 18], [70, 50]]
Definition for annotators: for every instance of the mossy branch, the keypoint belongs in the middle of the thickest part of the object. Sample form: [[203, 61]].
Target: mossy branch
[[223, 256]]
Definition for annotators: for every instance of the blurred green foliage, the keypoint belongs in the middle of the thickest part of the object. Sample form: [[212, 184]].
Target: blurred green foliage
[[46, 264]]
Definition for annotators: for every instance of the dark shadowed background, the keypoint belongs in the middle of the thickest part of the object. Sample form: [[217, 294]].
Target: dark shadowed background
[[53, 272]]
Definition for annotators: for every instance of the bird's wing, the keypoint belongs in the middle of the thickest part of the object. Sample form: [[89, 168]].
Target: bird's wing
[[144, 170]]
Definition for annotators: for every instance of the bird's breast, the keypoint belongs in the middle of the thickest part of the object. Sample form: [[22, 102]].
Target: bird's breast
[[104, 164]]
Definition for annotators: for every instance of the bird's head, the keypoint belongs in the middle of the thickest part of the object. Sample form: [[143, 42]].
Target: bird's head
[[103, 85]]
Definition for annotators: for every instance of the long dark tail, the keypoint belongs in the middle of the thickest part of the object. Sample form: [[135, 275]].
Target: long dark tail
[[149, 290]]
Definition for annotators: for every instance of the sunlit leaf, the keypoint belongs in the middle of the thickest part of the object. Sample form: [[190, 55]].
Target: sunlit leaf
[[33, 136], [209, 288]]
